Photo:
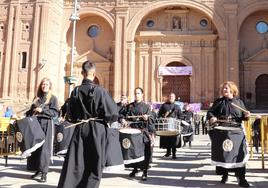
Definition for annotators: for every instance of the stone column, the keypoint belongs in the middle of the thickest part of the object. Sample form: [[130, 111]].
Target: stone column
[[33, 63], [154, 72], [8, 49], [15, 61], [120, 59], [221, 64], [131, 69], [232, 38]]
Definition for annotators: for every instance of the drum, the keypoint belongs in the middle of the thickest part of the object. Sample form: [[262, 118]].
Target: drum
[[228, 147], [167, 126], [114, 160], [62, 138], [132, 145], [29, 135]]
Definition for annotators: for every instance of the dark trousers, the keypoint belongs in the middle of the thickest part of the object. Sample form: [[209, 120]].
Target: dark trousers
[[239, 172]]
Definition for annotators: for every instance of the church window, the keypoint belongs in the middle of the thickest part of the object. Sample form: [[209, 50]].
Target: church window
[[150, 23], [23, 60], [261, 27], [93, 31], [204, 22]]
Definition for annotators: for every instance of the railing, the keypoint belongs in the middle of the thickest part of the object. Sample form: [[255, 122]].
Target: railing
[[263, 138], [8, 142]]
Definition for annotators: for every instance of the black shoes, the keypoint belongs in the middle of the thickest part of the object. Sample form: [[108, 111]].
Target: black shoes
[[174, 157], [243, 183], [144, 176], [133, 173], [36, 175], [224, 179], [40, 174], [166, 155], [43, 178]]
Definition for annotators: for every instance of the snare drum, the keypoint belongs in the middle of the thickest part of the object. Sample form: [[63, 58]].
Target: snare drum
[[132, 145], [167, 127], [228, 147], [29, 135]]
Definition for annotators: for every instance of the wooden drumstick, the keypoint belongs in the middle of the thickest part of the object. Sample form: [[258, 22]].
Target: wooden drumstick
[[83, 121], [239, 107], [140, 116]]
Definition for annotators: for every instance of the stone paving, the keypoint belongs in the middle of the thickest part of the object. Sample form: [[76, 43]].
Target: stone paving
[[191, 169]]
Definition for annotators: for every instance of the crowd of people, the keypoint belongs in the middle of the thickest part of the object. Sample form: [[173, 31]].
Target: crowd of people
[[92, 112]]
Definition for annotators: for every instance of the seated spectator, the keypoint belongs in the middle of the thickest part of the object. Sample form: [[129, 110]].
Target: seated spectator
[[9, 112]]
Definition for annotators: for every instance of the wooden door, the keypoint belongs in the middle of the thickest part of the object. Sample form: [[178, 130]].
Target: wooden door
[[262, 91]]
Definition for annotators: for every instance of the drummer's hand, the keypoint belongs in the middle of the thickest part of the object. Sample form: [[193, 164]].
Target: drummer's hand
[[212, 120], [123, 122], [38, 109], [247, 114], [61, 119], [145, 117]]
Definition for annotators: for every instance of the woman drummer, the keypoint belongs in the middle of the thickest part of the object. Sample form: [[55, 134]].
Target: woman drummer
[[229, 108], [45, 108]]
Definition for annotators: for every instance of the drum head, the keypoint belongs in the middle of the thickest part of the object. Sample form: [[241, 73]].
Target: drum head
[[130, 131], [226, 128]]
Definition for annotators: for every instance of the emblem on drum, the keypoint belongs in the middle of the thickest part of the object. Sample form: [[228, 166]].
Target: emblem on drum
[[59, 137], [227, 145], [126, 143], [19, 136]]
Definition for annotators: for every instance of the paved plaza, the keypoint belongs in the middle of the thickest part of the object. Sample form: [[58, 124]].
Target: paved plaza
[[191, 169]]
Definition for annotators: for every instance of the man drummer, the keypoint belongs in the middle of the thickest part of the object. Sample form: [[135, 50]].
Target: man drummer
[[170, 110], [139, 114], [122, 106], [86, 154]]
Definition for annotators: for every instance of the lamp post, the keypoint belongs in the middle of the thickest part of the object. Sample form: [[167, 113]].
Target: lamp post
[[74, 17]]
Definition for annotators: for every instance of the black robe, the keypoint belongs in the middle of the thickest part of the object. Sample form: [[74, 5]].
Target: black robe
[[170, 110], [222, 109], [40, 159], [86, 156], [147, 127], [187, 129]]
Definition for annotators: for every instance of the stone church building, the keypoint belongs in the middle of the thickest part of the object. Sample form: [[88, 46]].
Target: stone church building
[[131, 41]]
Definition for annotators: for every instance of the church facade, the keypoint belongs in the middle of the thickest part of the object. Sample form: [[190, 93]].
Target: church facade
[[151, 44]]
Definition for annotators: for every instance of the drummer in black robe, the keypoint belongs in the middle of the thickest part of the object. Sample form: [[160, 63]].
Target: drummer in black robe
[[45, 108], [145, 123], [86, 156], [187, 129], [170, 110], [224, 110], [122, 107]]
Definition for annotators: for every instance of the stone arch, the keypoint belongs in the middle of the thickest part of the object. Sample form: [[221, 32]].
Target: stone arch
[[91, 11], [135, 21], [253, 7], [261, 91], [181, 59]]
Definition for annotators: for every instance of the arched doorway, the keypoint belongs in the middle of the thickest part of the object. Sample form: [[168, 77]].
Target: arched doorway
[[262, 91], [180, 85]]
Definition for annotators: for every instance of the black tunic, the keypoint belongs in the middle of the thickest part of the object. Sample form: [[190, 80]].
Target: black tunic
[[40, 159], [223, 110], [187, 130], [147, 127], [86, 156], [170, 110]]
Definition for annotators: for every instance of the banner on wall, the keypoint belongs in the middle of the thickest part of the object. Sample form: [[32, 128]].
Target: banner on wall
[[172, 71]]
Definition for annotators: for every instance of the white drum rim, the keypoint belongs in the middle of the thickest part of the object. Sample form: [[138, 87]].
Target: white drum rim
[[225, 128], [129, 131]]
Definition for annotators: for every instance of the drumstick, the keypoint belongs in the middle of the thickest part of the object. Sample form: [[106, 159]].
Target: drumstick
[[239, 107], [83, 121], [137, 116]]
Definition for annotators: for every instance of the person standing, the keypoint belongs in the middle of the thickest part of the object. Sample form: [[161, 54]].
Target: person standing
[[45, 108], [232, 154], [187, 129], [143, 121], [170, 110], [95, 109]]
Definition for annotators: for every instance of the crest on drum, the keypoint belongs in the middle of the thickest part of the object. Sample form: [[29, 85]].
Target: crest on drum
[[126, 143], [19, 137], [227, 145], [59, 137]]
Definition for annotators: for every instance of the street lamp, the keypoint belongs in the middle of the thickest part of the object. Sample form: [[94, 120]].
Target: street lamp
[[74, 17]]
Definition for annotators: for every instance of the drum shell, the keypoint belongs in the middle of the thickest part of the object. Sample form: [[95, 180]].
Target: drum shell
[[228, 147], [29, 134], [132, 146], [62, 137]]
